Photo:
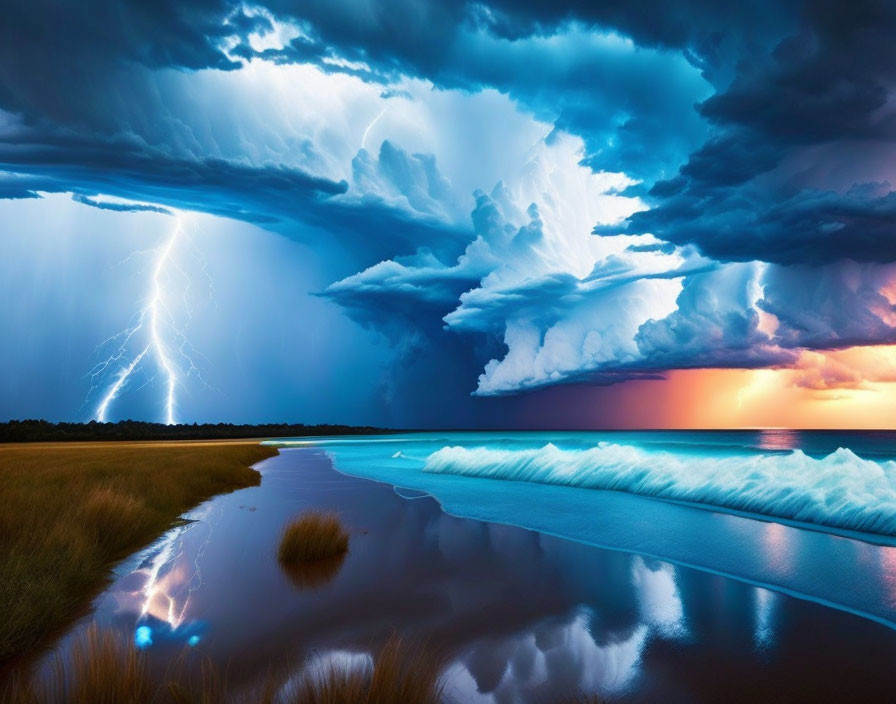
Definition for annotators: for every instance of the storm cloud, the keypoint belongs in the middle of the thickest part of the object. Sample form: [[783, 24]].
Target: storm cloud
[[524, 194]]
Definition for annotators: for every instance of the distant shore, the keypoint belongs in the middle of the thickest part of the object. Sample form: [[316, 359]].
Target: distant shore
[[45, 431]]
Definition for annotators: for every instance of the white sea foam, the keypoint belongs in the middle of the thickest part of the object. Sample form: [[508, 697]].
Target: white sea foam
[[841, 490]]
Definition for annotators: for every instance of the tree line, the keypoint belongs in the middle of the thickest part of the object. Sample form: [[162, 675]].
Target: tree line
[[45, 431]]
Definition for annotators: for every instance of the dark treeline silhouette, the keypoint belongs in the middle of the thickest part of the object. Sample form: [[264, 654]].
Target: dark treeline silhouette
[[44, 431]]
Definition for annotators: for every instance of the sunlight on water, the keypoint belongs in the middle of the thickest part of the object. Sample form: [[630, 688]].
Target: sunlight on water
[[778, 548], [778, 439], [764, 635]]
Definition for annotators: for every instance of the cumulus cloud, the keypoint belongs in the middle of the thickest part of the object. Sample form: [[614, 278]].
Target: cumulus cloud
[[411, 181], [596, 334], [832, 307], [708, 138], [592, 83], [851, 368], [565, 304], [716, 324], [570, 307]]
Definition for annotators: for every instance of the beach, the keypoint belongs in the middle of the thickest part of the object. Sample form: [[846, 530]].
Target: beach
[[521, 616]]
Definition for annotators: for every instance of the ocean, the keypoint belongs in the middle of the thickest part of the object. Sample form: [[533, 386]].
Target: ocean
[[635, 566], [807, 513]]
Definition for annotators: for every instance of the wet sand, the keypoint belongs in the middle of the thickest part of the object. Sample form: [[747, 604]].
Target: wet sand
[[525, 617]]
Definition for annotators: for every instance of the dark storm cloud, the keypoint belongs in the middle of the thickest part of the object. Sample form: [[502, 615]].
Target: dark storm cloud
[[619, 100], [713, 326], [420, 38], [826, 81], [57, 54], [834, 307], [281, 198], [119, 207], [127, 168], [15, 190], [622, 101], [756, 189], [81, 110], [750, 223], [748, 122], [788, 76]]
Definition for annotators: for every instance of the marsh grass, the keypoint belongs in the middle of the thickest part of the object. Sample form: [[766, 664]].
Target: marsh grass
[[68, 512], [100, 667], [403, 672], [311, 537], [103, 667]]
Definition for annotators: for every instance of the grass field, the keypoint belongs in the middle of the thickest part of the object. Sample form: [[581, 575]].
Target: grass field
[[69, 511]]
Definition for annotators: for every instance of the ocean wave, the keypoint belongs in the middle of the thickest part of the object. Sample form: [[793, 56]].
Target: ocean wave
[[840, 491]]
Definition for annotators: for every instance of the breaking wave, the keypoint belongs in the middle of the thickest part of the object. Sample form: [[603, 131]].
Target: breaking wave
[[840, 491]]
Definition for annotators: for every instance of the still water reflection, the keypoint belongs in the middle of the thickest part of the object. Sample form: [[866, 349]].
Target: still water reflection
[[524, 616]]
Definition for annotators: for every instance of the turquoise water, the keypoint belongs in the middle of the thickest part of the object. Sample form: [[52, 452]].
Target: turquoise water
[[522, 616], [810, 514]]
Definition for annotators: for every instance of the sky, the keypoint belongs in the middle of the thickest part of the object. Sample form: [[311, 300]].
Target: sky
[[439, 213]]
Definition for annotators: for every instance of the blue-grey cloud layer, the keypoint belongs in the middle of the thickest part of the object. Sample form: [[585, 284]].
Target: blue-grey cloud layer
[[757, 139]]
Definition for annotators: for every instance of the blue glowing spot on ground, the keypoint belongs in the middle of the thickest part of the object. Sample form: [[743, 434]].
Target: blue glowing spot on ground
[[193, 640], [143, 637]]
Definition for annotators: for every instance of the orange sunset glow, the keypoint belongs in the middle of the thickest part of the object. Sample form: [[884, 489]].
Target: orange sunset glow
[[849, 388]]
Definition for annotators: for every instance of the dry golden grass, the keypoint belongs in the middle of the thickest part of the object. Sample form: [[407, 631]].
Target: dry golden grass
[[105, 668], [312, 536], [210, 687], [402, 673], [101, 667], [68, 511]]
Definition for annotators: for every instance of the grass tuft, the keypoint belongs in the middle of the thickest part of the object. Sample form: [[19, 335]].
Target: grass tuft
[[402, 673], [311, 537], [103, 667]]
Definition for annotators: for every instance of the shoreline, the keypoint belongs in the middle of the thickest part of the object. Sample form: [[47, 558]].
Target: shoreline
[[492, 594], [850, 535], [73, 511], [488, 593], [848, 572]]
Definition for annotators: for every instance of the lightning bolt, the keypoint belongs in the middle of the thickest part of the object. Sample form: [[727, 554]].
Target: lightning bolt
[[155, 303], [155, 327], [367, 131]]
